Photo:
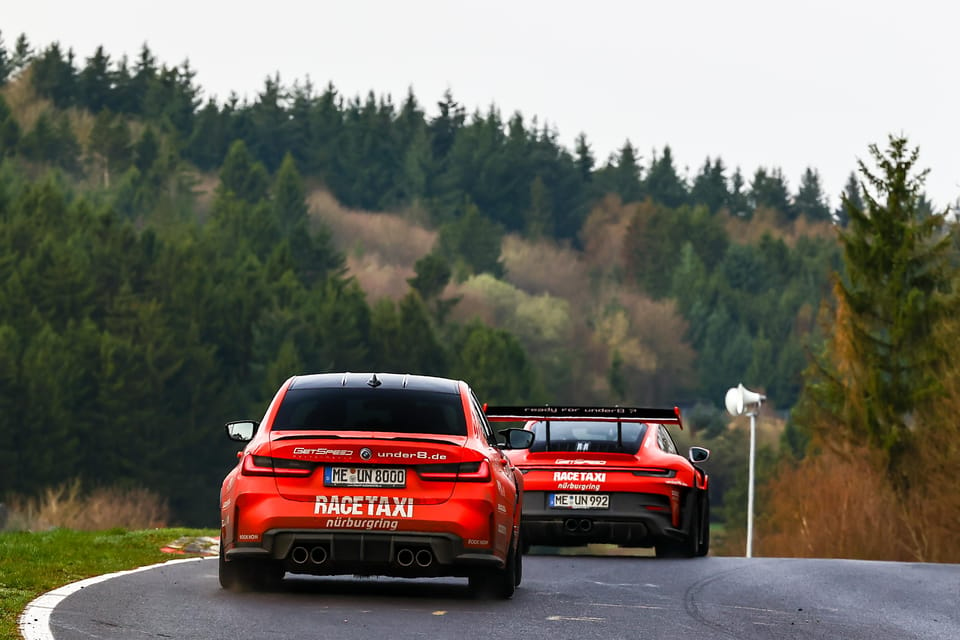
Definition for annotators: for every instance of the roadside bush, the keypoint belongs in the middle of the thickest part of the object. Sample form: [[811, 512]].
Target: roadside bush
[[68, 506]]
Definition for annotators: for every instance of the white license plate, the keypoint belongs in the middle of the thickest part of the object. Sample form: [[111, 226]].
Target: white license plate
[[364, 477], [579, 501]]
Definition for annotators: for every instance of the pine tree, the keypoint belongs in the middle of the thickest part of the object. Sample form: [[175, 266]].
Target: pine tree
[[769, 190], [810, 200], [9, 130], [662, 182], [22, 54], [243, 175], [881, 361], [710, 186], [851, 194], [585, 160], [94, 82], [6, 63]]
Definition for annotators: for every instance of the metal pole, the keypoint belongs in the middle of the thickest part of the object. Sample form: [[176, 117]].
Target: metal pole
[[753, 450]]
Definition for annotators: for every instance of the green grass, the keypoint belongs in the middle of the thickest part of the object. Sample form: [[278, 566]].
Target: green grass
[[33, 563]]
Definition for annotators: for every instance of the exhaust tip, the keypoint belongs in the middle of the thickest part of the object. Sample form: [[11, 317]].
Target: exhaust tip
[[570, 525], [300, 555], [585, 525], [405, 557], [318, 555], [424, 558]]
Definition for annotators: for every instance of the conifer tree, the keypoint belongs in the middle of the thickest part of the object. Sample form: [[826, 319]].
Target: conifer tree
[[662, 182], [810, 200], [6, 64], [881, 361]]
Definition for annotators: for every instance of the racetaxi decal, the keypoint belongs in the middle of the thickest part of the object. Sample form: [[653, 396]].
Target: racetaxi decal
[[579, 480], [249, 537], [383, 506], [580, 476]]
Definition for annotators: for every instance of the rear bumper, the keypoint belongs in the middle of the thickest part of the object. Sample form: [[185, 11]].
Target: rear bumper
[[453, 538], [633, 520], [402, 554]]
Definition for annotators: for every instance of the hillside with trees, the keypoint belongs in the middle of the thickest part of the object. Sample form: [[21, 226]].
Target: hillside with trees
[[166, 261]]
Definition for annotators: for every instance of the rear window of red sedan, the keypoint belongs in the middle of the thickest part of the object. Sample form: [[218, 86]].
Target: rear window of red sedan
[[393, 410]]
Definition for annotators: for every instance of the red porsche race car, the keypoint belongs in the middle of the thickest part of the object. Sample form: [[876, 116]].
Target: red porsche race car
[[610, 475], [372, 474]]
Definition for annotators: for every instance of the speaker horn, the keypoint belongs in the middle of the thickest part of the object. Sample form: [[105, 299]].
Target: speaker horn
[[739, 399]]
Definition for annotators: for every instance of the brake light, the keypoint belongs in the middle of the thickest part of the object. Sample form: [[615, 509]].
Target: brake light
[[655, 473], [267, 466], [477, 471]]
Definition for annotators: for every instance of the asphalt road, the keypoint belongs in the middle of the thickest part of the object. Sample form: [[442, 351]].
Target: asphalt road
[[561, 597]]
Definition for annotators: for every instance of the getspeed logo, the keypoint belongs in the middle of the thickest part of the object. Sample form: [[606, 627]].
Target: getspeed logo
[[321, 451]]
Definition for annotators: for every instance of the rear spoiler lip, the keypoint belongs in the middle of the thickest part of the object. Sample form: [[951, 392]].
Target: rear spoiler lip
[[600, 414]]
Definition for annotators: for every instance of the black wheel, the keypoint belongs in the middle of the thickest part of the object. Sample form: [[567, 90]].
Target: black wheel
[[498, 583], [689, 546], [249, 574]]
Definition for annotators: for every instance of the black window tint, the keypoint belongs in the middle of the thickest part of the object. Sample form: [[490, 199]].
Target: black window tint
[[397, 410], [584, 435]]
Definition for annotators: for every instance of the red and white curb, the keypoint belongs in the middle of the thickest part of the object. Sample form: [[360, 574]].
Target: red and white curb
[[34, 622]]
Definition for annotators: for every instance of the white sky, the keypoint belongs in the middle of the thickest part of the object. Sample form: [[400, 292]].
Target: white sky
[[760, 83]]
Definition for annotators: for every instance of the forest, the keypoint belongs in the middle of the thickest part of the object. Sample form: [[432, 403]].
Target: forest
[[166, 262]]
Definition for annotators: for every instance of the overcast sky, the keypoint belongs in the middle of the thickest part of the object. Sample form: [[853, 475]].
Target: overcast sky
[[759, 83]]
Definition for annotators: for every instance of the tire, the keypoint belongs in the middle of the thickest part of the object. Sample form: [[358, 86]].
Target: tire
[[704, 547], [689, 546], [498, 583], [519, 572], [249, 574]]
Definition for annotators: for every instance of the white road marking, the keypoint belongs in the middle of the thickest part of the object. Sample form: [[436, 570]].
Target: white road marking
[[34, 622], [574, 619]]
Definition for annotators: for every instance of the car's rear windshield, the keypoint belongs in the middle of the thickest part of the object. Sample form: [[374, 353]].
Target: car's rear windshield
[[397, 410], [586, 435]]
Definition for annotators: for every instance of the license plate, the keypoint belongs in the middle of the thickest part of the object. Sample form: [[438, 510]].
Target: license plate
[[579, 501], [364, 477]]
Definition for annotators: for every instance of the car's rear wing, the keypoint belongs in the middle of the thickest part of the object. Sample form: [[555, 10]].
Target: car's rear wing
[[602, 414]]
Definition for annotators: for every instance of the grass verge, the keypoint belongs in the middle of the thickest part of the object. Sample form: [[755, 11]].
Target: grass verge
[[33, 563]]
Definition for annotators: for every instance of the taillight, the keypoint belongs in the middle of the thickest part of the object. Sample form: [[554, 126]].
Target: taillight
[[267, 466], [477, 471], [655, 473]]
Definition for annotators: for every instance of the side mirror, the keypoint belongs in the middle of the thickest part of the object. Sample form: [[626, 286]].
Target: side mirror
[[241, 430], [517, 438], [698, 454]]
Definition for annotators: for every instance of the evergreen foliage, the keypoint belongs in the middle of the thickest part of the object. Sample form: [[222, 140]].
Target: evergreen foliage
[[881, 363], [137, 314]]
